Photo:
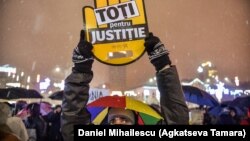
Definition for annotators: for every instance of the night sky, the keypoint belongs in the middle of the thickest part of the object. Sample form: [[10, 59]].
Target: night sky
[[38, 35]]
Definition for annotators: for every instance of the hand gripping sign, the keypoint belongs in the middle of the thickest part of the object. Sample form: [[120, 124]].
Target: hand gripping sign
[[117, 29]]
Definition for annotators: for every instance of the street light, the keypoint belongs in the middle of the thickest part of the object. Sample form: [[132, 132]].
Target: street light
[[200, 69], [28, 79], [57, 69], [38, 77]]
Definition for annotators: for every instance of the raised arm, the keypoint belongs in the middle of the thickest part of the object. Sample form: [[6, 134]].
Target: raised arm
[[173, 106], [76, 89]]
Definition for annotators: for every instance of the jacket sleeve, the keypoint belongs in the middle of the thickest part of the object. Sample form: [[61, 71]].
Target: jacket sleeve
[[75, 98], [173, 107]]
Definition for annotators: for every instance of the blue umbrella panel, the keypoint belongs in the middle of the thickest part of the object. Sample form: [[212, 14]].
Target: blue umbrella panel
[[242, 102], [195, 95]]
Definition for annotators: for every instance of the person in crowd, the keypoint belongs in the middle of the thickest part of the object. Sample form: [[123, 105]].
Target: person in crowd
[[228, 117], [53, 118], [173, 107], [234, 114], [45, 108], [35, 123], [6, 134], [19, 106], [16, 125], [207, 119], [246, 121]]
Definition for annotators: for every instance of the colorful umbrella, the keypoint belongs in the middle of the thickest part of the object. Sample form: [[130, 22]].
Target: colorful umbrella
[[99, 109]]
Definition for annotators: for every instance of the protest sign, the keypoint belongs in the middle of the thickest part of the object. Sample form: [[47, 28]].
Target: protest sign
[[117, 29]]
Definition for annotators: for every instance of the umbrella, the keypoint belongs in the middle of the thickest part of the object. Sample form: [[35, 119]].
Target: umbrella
[[9, 94], [225, 103], [99, 109], [16, 93], [198, 96], [218, 110], [33, 94], [242, 102], [58, 95]]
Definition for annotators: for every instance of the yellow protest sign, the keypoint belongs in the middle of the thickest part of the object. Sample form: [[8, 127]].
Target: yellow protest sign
[[117, 29]]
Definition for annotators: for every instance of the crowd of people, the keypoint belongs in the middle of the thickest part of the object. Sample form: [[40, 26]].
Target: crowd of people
[[225, 116], [25, 122], [30, 122]]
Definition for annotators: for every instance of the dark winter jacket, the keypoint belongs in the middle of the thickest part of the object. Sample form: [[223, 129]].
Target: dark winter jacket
[[173, 106], [37, 123]]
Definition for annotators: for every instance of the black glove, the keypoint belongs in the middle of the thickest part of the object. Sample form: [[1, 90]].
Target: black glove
[[83, 55], [158, 55]]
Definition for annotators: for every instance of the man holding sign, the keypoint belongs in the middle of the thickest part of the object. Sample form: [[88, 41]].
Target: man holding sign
[[173, 107], [74, 111]]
